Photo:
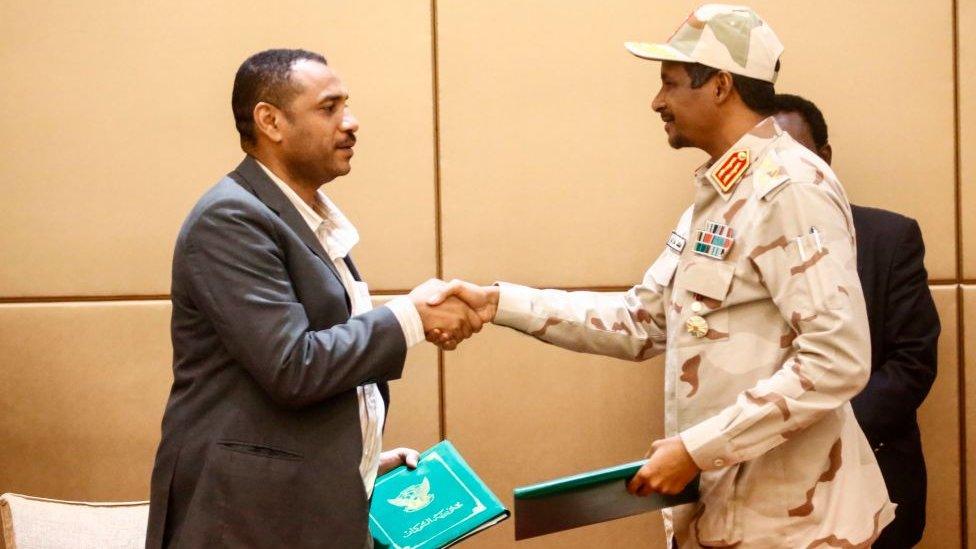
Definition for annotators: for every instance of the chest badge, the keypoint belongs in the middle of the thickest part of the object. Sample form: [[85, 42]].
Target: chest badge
[[697, 326], [714, 241], [727, 172], [676, 242]]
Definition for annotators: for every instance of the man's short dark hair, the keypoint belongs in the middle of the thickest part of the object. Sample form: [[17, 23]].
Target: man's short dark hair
[[808, 111], [265, 76], [756, 94]]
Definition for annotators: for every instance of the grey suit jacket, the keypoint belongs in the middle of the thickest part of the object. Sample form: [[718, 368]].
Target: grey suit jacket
[[261, 438]]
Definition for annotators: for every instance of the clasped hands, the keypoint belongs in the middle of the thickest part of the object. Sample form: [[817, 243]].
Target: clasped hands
[[453, 311]]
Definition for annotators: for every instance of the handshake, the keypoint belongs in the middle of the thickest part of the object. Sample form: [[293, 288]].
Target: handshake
[[453, 311]]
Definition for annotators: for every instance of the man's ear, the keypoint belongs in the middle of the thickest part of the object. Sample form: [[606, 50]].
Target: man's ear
[[723, 87], [268, 120], [826, 152]]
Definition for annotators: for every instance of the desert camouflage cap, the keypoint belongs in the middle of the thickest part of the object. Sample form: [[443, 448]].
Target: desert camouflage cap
[[730, 38]]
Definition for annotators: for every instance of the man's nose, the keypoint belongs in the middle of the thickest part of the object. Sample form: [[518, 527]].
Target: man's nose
[[657, 104], [349, 122]]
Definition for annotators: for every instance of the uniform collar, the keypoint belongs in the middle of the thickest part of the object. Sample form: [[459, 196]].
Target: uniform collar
[[731, 168]]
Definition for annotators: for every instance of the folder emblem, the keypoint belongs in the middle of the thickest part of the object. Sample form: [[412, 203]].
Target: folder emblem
[[404, 514], [415, 497]]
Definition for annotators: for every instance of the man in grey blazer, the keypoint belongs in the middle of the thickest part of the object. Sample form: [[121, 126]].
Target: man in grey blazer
[[272, 433]]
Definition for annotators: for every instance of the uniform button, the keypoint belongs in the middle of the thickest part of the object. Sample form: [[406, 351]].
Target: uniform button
[[696, 306], [719, 462]]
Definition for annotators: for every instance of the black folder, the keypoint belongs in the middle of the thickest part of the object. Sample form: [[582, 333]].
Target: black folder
[[587, 498]]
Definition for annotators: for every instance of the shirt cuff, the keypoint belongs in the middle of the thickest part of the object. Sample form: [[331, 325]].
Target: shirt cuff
[[406, 314], [707, 444], [514, 305]]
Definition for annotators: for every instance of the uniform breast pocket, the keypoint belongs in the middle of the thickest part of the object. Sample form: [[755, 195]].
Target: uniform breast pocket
[[703, 289]]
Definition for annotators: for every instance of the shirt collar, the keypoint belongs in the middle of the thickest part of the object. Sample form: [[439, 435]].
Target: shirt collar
[[725, 173], [330, 225]]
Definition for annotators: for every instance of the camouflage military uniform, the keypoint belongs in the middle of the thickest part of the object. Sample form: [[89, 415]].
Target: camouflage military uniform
[[760, 397]]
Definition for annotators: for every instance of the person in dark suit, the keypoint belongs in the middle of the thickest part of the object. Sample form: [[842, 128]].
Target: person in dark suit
[[272, 433], [904, 335]]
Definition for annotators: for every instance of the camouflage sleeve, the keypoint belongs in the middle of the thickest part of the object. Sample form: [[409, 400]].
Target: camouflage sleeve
[[806, 258], [630, 326]]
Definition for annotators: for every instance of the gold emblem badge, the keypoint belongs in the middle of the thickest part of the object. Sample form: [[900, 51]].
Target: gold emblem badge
[[697, 326], [726, 173], [414, 498]]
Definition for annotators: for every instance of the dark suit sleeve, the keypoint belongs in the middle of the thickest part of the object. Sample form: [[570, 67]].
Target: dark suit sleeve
[[911, 331], [240, 281]]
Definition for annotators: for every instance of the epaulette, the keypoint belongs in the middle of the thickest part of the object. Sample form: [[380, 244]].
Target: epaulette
[[769, 176]]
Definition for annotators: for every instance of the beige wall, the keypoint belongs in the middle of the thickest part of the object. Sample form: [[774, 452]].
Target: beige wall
[[550, 169]]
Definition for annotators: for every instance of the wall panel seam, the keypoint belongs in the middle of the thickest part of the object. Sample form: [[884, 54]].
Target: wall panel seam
[[82, 298], [438, 227], [960, 313], [374, 292], [961, 380]]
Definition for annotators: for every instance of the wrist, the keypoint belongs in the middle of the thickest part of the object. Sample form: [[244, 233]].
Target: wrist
[[492, 294]]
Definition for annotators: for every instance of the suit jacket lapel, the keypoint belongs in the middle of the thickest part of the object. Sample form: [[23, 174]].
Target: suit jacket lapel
[[352, 269], [251, 176]]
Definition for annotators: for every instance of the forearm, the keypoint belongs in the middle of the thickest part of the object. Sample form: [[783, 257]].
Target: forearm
[[237, 279], [321, 364], [628, 326], [801, 392]]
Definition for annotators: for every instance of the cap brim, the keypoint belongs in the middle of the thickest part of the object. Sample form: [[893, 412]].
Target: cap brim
[[657, 52]]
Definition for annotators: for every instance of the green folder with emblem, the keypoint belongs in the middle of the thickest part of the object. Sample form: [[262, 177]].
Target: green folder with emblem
[[438, 504], [587, 498]]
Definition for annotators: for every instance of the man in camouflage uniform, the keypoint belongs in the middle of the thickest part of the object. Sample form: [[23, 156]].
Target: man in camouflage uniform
[[755, 302]]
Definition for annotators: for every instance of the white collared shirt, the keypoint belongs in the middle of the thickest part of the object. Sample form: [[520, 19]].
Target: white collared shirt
[[338, 236]]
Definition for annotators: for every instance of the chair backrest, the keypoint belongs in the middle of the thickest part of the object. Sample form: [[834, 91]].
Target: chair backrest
[[38, 523]]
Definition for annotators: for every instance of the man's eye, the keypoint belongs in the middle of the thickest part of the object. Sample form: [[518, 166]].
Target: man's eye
[[329, 109]]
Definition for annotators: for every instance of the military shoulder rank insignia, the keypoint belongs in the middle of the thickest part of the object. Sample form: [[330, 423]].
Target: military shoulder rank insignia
[[714, 241], [727, 172]]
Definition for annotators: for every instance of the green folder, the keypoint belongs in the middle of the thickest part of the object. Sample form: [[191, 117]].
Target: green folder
[[438, 504], [587, 498]]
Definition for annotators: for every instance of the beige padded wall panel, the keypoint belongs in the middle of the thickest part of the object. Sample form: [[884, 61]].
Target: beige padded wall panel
[[521, 412], [967, 131], [969, 329], [120, 118], [84, 386], [555, 171], [887, 101], [939, 422], [414, 419]]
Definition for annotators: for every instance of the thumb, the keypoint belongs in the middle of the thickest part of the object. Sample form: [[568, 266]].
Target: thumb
[[654, 446], [451, 288]]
